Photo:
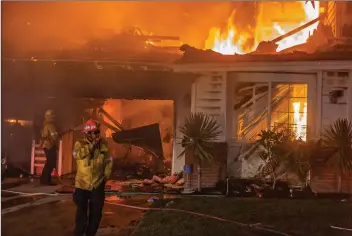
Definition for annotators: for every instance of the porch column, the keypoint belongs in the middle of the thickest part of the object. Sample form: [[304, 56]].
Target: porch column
[[182, 108]]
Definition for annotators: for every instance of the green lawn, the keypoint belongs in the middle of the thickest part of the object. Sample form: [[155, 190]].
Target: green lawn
[[295, 217]]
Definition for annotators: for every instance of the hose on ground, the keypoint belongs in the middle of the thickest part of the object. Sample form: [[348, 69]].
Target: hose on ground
[[163, 209], [155, 209]]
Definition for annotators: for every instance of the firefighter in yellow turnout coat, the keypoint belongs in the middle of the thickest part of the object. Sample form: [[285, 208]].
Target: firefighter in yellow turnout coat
[[93, 169], [49, 143]]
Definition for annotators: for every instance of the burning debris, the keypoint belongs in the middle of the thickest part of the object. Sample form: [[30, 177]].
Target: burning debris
[[288, 31], [139, 136], [135, 41]]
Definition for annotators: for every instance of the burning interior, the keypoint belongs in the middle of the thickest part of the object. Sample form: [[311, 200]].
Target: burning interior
[[288, 109], [136, 151]]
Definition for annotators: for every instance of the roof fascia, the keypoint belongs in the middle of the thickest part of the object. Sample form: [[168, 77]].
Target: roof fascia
[[285, 66]]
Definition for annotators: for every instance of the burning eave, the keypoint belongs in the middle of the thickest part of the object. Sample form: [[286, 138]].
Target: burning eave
[[192, 55]]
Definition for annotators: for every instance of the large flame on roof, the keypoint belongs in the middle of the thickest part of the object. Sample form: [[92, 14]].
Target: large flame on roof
[[233, 40]]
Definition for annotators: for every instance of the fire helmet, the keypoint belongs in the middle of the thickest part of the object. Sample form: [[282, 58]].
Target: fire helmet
[[91, 126], [49, 114]]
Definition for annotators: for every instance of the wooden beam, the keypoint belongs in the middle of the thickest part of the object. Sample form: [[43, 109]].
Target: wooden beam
[[292, 32]]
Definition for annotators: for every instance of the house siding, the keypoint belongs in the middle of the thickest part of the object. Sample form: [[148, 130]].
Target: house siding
[[209, 97], [324, 178], [328, 75]]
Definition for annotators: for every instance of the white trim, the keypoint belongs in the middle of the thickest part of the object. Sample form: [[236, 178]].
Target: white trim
[[39, 152], [273, 77], [277, 66], [32, 156], [269, 104], [349, 97], [175, 132], [193, 96], [312, 107], [39, 165], [59, 164], [319, 98], [253, 94], [229, 108], [224, 105]]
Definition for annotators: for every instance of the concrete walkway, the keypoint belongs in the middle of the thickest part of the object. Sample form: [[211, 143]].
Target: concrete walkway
[[35, 188]]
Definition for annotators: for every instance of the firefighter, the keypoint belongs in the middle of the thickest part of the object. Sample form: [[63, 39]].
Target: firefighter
[[49, 142], [93, 169]]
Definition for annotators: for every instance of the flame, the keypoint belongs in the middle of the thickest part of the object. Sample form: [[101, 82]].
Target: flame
[[112, 107], [229, 42], [302, 36], [300, 120], [235, 41], [20, 122]]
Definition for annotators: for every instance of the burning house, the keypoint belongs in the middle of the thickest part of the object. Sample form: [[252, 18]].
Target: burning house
[[301, 80], [287, 68]]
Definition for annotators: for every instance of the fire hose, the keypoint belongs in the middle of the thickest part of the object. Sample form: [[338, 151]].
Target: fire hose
[[253, 226]]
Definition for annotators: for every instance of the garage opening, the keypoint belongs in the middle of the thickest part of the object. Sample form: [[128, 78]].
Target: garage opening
[[133, 160]]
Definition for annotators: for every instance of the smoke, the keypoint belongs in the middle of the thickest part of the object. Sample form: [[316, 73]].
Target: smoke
[[28, 26]]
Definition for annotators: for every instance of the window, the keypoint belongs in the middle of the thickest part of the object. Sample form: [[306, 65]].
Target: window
[[288, 109], [250, 110]]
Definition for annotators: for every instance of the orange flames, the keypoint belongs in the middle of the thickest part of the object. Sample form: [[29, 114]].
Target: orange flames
[[114, 108], [235, 41], [300, 120]]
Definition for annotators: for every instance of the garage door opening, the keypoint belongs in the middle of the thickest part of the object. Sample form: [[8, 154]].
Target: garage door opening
[[129, 159]]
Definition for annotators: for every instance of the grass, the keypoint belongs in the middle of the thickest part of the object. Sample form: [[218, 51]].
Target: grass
[[295, 217]]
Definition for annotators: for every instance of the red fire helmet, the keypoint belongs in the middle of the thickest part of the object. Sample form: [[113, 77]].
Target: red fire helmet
[[91, 126]]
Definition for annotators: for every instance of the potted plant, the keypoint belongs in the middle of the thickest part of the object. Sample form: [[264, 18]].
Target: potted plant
[[199, 132]]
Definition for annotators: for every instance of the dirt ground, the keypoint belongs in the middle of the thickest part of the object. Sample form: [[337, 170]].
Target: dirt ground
[[57, 219]]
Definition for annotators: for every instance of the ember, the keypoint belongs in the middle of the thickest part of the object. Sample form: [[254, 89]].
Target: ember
[[235, 40]]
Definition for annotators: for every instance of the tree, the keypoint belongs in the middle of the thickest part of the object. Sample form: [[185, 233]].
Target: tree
[[337, 141], [199, 132]]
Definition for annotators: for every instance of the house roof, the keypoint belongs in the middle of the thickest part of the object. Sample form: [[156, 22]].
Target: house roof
[[193, 55]]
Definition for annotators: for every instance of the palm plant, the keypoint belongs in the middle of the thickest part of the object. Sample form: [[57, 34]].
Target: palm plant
[[337, 141], [199, 132]]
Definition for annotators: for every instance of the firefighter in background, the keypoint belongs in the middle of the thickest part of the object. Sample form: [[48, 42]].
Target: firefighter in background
[[49, 143], [93, 169]]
